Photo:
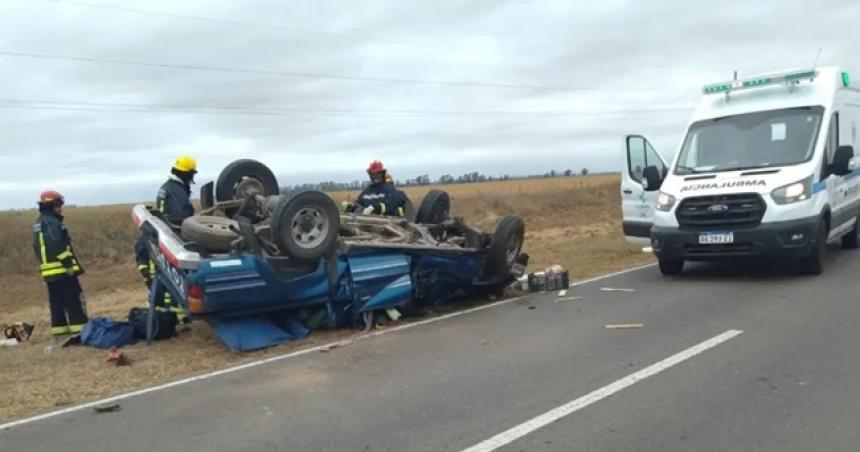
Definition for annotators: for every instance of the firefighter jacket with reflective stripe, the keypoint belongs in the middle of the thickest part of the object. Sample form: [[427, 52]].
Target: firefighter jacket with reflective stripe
[[174, 200], [53, 247], [383, 197], [141, 256]]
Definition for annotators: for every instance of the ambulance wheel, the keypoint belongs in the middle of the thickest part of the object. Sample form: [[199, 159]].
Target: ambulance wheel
[[671, 267], [814, 263], [434, 208], [851, 240], [305, 227]]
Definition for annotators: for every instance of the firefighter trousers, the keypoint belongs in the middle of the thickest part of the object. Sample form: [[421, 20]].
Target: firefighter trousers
[[67, 310]]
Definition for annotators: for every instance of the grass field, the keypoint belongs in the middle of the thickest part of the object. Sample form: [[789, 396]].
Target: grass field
[[571, 221]]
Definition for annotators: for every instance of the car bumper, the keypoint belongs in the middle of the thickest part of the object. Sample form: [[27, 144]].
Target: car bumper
[[786, 239]]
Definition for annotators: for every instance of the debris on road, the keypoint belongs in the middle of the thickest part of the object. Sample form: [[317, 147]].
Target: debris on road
[[562, 300], [615, 289], [531, 306], [554, 277], [8, 343], [562, 293], [624, 326], [107, 409]]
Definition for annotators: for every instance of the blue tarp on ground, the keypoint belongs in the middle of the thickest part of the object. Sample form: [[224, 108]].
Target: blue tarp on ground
[[102, 332], [243, 334]]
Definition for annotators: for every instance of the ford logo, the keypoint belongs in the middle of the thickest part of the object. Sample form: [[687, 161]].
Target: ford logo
[[718, 208]]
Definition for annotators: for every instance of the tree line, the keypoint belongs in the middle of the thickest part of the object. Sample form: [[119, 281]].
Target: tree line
[[473, 177]]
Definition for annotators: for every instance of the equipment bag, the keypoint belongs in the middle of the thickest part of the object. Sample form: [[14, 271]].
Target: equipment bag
[[102, 332], [163, 325]]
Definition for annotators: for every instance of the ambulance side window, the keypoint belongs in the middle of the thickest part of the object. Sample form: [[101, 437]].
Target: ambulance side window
[[653, 159], [830, 146]]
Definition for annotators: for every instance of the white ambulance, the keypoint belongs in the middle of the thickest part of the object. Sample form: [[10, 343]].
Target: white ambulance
[[766, 169]]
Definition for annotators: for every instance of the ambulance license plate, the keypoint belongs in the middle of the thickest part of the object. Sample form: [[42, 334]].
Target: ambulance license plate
[[716, 238]]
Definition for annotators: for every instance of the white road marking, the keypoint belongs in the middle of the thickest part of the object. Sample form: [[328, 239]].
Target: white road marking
[[511, 435], [272, 359]]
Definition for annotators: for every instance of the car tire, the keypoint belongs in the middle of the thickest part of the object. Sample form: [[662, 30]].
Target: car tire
[[305, 226], [851, 240], [435, 208], [243, 177], [505, 247], [671, 267], [215, 234], [814, 263]]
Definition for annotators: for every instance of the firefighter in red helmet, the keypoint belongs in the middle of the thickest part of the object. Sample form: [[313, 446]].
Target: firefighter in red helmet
[[58, 266], [380, 197]]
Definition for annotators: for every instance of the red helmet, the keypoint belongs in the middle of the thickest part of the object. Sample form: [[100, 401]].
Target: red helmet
[[375, 167], [51, 197]]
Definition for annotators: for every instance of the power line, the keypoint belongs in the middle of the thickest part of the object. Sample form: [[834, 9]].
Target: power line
[[237, 23], [313, 75], [262, 111]]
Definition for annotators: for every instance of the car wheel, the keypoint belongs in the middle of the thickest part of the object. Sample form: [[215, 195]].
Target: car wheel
[[671, 267], [435, 208], [215, 234], [505, 247], [243, 178], [305, 227]]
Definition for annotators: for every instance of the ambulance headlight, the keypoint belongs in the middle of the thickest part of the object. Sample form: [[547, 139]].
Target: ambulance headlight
[[791, 193], [665, 202]]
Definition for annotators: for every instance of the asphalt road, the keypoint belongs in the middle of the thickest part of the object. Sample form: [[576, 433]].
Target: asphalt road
[[783, 376]]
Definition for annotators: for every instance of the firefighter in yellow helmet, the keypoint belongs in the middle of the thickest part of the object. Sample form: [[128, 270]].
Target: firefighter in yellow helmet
[[58, 266], [174, 202]]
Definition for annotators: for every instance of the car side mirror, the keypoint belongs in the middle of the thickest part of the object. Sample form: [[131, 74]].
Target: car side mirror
[[843, 160], [652, 178]]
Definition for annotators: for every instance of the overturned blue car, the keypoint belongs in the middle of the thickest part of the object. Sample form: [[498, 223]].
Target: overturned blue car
[[252, 250]]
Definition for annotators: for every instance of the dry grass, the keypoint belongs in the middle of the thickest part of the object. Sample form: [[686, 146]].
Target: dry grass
[[574, 222]]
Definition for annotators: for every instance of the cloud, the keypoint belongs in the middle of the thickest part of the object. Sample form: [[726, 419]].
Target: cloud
[[641, 65]]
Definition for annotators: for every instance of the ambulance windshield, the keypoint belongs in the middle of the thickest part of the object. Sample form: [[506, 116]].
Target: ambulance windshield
[[752, 140]]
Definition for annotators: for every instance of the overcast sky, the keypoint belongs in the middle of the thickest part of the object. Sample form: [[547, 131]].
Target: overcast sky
[[318, 88]]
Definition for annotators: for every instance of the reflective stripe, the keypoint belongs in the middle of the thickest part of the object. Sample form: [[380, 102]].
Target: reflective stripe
[[42, 247], [142, 266], [161, 205], [65, 254], [401, 212], [76, 328], [382, 208], [56, 269], [57, 330]]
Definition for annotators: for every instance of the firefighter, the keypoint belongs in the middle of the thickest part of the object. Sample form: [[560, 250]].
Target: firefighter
[[174, 197], [174, 202], [380, 197], [58, 266]]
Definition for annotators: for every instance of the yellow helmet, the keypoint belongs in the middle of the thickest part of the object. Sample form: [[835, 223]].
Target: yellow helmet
[[186, 164]]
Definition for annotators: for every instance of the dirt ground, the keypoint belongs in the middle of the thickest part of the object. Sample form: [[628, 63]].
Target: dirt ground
[[574, 222]]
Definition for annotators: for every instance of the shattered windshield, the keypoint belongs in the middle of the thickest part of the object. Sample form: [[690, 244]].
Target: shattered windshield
[[753, 140]]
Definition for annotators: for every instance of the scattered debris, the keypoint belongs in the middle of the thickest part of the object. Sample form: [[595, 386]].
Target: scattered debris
[[562, 293], [615, 289], [49, 350], [624, 326], [393, 314], [531, 306], [554, 277], [107, 409], [8, 342], [562, 300], [19, 331], [116, 356]]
